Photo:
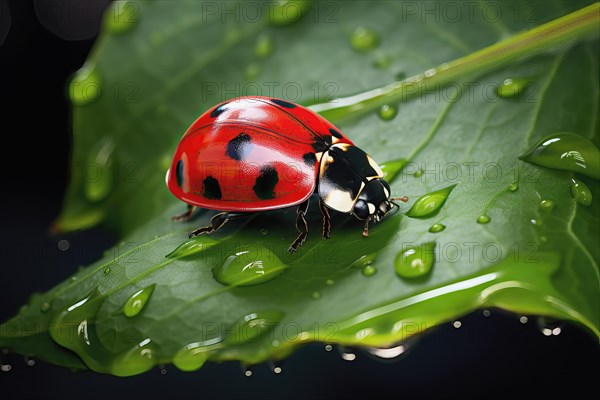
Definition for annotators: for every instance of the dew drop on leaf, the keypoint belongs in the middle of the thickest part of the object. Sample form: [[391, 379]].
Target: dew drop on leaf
[[483, 219], [511, 87], [193, 356], [430, 203], [437, 228], [568, 152], [253, 326], [45, 306], [547, 205], [382, 61], [580, 192], [121, 17], [369, 270], [192, 246], [364, 39], [387, 112], [85, 87], [243, 268], [99, 176], [265, 45], [415, 262], [137, 301], [513, 187], [392, 168]]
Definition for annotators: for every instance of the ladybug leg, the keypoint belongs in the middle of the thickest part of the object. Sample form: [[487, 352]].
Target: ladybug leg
[[326, 220], [216, 222], [366, 230], [301, 226], [186, 215]]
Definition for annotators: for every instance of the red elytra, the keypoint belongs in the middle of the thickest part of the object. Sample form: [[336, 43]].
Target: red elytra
[[231, 145]]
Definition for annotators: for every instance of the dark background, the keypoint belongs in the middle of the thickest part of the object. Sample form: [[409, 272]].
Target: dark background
[[496, 355]]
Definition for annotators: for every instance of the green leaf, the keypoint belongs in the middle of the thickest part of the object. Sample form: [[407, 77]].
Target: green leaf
[[528, 258]]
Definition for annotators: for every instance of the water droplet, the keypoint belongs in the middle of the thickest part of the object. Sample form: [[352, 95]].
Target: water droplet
[[437, 228], [512, 87], [430, 203], [45, 306], [193, 246], [415, 262], [364, 39], [567, 152], [286, 12], [382, 61], [275, 367], [248, 372], [137, 301], [85, 87], [535, 222], [30, 362], [106, 270], [5, 367], [346, 353], [244, 268], [275, 343], [394, 352], [315, 295], [387, 112], [252, 72], [486, 313], [193, 356], [329, 282], [328, 347], [513, 187], [253, 326], [163, 371], [138, 359], [369, 270], [523, 319], [265, 45], [418, 173], [549, 327], [483, 219], [547, 205], [581, 193], [121, 17], [63, 245], [391, 169], [457, 324], [99, 176]]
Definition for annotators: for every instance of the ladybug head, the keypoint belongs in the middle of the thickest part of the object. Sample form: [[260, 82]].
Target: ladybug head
[[373, 203]]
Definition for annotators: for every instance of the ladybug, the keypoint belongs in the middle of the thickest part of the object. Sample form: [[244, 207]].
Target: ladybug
[[253, 154]]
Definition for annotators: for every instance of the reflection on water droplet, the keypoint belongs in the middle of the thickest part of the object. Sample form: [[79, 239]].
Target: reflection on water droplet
[[523, 319], [244, 268], [513, 187], [568, 152], [457, 324], [85, 86], [192, 246], [265, 45], [328, 347], [136, 303], [415, 262], [547, 205], [121, 17], [536, 222], [430, 203], [392, 168], [100, 174], [253, 326], [387, 112], [248, 372], [315, 295], [437, 228], [346, 353], [512, 87], [483, 219], [30, 362], [138, 359], [580, 192], [163, 371], [394, 352], [364, 39], [286, 12], [63, 245], [5, 367], [486, 313]]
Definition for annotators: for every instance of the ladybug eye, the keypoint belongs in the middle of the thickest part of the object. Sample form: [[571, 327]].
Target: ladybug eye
[[361, 209]]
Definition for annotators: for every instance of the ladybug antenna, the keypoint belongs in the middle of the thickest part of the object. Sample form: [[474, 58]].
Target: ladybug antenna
[[403, 199]]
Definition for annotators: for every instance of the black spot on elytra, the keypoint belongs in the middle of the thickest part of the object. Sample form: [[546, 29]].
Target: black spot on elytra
[[283, 103], [239, 147], [335, 133], [310, 159], [179, 173], [219, 110], [264, 186], [211, 188]]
